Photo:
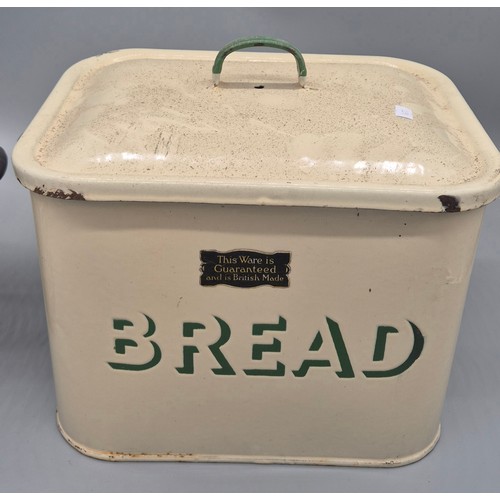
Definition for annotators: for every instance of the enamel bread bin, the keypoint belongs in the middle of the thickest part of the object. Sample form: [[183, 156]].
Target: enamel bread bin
[[240, 266]]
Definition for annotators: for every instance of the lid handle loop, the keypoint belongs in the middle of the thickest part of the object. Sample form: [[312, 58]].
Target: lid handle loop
[[258, 41]]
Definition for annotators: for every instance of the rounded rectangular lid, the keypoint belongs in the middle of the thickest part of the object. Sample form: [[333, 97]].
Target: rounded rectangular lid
[[363, 132]]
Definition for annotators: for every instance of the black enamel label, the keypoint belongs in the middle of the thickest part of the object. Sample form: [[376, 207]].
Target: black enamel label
[[244, 268]]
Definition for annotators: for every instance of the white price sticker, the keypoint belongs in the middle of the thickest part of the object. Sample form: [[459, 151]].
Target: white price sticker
[[403, 112]]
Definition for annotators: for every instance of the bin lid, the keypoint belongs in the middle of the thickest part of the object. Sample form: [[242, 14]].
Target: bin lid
[[360, 132]]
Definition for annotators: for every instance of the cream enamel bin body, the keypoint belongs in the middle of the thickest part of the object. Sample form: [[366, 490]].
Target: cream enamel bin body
[[301, 308], [127, 260]]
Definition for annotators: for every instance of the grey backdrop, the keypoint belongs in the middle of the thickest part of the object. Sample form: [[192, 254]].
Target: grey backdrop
[[37, 45]]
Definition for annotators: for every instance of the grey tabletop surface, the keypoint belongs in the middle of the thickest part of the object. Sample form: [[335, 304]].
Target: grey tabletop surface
[[37, 45]]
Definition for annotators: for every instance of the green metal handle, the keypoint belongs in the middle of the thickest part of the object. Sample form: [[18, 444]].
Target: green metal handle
[[258, 41]]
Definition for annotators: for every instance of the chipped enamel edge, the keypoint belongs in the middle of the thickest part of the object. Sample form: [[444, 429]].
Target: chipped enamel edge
[[198, 457]]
